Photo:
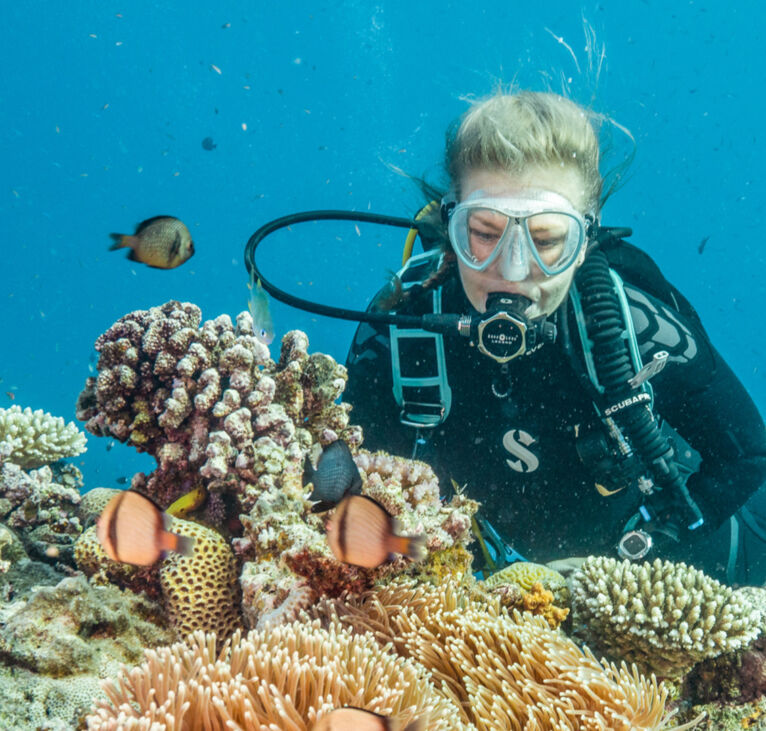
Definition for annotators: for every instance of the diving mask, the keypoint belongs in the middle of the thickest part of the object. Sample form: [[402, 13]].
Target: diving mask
[[540, 226]]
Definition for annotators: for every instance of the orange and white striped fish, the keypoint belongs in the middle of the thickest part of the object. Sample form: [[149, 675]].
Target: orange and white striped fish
[[132, 529], [363, 533], [357, 719]]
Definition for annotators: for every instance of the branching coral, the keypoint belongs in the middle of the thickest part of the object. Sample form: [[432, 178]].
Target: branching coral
[[503, 671], [282, 678], [663, 616], [200, 396], [35, 438]]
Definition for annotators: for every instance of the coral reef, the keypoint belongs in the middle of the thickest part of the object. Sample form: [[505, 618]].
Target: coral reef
[[286, 678], [502, 671], [216, 412], [198, 592], [75, 627], [42, 512], [289, 549], [199, 397], [663, 616], [35, 438]]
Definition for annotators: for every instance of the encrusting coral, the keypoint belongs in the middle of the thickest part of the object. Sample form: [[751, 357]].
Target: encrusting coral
[[41, 511], [663, 616], [531, 587], [503, 671], [74, 627], [283, 678], [35, 438]]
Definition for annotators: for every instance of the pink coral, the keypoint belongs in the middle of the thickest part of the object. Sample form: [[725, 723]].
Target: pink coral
[[196, 395]]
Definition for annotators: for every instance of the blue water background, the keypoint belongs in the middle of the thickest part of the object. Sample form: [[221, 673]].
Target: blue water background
[[314, 105]]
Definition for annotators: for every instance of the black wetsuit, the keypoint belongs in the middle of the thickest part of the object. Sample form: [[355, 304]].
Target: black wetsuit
[[518, 456]]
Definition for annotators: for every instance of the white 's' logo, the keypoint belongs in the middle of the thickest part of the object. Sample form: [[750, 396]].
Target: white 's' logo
[[516, 442]]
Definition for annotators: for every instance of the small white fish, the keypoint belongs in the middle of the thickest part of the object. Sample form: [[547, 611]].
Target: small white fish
[[259, 311]]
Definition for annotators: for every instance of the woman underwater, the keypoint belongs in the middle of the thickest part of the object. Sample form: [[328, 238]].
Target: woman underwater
[[595, 415]]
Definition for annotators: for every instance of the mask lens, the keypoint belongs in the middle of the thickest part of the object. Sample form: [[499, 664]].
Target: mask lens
[[479, 233], [484, 228], [556, 239]]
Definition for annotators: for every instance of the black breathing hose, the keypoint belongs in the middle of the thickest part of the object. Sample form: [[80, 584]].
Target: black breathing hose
[[614, 367]]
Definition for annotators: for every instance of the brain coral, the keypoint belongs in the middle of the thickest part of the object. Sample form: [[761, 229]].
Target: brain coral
[[35, 438], [281, 678], [199, 592], [663, 616]]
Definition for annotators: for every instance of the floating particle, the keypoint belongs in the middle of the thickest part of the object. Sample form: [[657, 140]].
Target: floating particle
[[244, 126], [208, 144], [215, 68], [702, 244], [226, 25]]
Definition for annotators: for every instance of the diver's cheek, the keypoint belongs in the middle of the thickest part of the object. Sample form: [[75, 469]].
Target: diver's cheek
[[474, 287]]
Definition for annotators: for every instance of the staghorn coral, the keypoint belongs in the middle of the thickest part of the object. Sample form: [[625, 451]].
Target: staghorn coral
[[502, 671], [35, 438], [663, 616], [280, 678]]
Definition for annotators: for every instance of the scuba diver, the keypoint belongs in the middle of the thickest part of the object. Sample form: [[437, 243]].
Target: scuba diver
[[587, 410], [539, 361]]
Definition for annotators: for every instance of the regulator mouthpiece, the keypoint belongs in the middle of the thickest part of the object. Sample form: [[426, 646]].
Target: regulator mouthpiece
[[504, 332]]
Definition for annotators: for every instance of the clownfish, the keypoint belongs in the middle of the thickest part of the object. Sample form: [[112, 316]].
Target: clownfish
[[357, 719], [132, 529], [361, 532]]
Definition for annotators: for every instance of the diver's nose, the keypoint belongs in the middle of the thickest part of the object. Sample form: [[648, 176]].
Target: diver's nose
[[514, 258]]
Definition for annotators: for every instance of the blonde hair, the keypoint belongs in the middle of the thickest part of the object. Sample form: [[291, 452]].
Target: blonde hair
[[512, 132]]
